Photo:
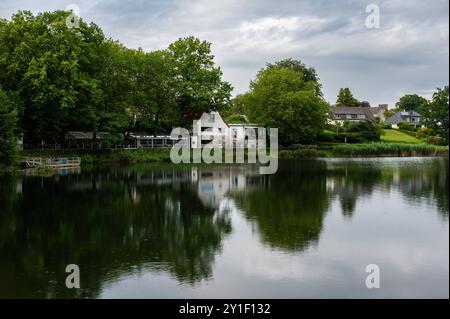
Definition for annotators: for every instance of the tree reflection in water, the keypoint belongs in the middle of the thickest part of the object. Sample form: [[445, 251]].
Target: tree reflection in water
[[129, 220]]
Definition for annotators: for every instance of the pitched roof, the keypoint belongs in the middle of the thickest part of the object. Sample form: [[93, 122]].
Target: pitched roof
[[352, 110], [400, 117]]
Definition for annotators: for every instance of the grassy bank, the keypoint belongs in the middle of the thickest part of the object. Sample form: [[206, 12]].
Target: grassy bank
[[388, 149], [163, 155], [396, 136], [106, 156]]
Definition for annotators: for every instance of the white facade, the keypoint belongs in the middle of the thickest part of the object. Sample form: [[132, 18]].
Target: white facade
[[211, 129]]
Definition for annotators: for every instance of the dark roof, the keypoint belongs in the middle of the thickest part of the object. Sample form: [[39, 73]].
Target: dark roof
[[400, 117], [78, 135], [352, 110]]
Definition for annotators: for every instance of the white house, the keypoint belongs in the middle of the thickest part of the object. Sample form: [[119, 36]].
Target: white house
[[211, 129], [409, 117]]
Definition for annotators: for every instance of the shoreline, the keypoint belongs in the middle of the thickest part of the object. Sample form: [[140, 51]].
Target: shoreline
[[136, 156]]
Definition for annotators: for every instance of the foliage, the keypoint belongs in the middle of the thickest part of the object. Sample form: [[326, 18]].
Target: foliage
[[236, 118], [199, 82], [368, 130], [411, 102], [65, 78], [54, 70], [392, 149], [238, 105], [345, 98], [308, 74], [407, 127], [8, 129], [280, 98], [436, 113]]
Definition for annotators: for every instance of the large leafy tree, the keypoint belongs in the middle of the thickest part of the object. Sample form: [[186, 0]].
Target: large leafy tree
[[139, 88], [280, 98], [307, 74], [54, 70], [436, 113], [411, 102], [199, 82], [8, 129], [346, 98]]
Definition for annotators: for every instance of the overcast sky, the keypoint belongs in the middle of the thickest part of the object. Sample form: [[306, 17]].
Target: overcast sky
[[408, 53]]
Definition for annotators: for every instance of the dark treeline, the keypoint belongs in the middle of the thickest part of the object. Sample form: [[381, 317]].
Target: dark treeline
[[62, 77]]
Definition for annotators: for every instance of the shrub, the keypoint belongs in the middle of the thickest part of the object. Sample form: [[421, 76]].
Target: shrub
[[368, 130], [387, 126], [435, 140], [396, 149], [332, 137], [407, 127], [236, 119]]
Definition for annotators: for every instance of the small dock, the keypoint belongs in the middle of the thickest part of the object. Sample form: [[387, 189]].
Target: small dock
[[60, 162]]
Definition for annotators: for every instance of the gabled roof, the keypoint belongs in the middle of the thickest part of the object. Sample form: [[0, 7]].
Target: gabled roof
[[400, 117], [352, 110]]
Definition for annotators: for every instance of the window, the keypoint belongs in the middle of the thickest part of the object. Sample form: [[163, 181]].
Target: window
[[361, 116]]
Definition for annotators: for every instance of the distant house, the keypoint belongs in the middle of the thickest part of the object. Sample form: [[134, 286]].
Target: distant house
[[379, 111], [410, 117], [339, 114]]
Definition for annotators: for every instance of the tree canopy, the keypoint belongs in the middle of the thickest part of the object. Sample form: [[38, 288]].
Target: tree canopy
[[198, 81], [73, 78], [345, 98], [8, 129], [281, 98], [411, 102], [436, 113]]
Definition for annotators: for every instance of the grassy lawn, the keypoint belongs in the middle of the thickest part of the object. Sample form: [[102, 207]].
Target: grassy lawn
[[394, 136]]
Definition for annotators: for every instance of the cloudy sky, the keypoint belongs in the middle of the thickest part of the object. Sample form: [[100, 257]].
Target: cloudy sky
[[408, 53]]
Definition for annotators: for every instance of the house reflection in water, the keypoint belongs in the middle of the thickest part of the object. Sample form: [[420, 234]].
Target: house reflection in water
[[213, 185]]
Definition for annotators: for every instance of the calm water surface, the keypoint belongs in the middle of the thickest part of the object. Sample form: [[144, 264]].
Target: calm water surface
[[225, 231]]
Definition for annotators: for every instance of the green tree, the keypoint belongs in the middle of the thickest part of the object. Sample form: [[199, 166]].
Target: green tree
[[238, 105], [139, 90], [368, 130], [435, 114], [199, 83], [308, 74], [8, 129], [411, 102], [280, 98], [54, 70], [345, 98]]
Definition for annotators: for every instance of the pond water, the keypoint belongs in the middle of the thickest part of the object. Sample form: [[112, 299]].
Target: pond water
[[168, 231]]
